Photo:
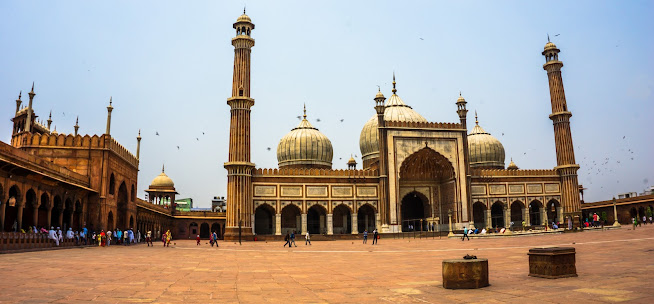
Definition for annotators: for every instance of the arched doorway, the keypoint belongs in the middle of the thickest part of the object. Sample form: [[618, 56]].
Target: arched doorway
[[121, 202], [479, 214], [316, 219], [68, 213], [264, 219], [553, 211], [110, 221], [77, 216], [517, 210], [414, 211], [11, 209], [535, 213], [428, 168], [28, 210], [291, 219], [193, 229], [497, 215], [56, 214], [43, 211], [204, 230], [366, 218], [342, 219]]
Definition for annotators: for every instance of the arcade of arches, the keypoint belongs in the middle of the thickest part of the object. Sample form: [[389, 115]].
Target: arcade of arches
[[317, 219], [501, 215]]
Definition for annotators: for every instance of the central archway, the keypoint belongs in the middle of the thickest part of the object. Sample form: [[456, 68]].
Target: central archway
[[535, 213], [121, 203], [414, 211], [366, 218], [497, 215]]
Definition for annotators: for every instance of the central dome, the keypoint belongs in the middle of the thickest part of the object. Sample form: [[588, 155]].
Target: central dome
[[395, 110], [305, 147]]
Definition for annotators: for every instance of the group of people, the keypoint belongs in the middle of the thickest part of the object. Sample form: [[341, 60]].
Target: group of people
[[213, 239], [117, 237], [375, 236], [289, 238], [636, 222], [58, 236]]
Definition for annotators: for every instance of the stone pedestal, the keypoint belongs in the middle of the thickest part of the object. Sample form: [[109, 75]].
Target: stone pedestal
[[552, 263], [465, 274]]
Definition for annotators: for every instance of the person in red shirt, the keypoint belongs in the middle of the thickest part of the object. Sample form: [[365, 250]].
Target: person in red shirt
[[198, 239]]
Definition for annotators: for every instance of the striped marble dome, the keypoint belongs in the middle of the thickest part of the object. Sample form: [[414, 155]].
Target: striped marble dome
[[485, 150], [305, 147], [396, 110]]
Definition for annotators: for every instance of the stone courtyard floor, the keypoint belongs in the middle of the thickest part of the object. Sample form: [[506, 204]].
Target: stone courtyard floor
[[613, 266]]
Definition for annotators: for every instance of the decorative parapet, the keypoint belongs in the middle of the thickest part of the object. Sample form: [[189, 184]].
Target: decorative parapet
[[37, 164], [508, 173], [622, 201], [33, 140], [123, 152], [423, 125], [315, 172]]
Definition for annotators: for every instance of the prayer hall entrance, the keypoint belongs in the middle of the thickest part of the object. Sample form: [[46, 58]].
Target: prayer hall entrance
[[264, 220], [316, 220], [431, 176]]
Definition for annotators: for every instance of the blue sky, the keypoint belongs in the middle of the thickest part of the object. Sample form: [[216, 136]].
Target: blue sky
[[168, 66]]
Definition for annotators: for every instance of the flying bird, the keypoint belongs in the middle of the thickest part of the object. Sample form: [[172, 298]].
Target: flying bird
[[202, 133], [157, 133], [197, 139], [318, 119], [268, 148], [342, 119], [422, 39], [299, 117], [177, 147]]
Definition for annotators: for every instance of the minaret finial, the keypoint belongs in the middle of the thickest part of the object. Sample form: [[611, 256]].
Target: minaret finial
[[394, 89], [32, 87], [243, 9], [305, 111], [139, 132], [162, 168], [77, 120], [548, 37], [476, 120], [378, 88], [111, 99], [20, 94]]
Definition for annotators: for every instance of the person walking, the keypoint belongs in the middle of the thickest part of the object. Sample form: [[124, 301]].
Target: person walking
[[126, 238], [198, 240], [215, 238], [109, 238], [365, 236], [465, 234], [287, 238], [148, 238], [293, 238], [375, 235], [307, 239], [635, 220]]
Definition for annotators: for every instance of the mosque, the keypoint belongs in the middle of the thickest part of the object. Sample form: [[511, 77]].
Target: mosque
[[416, 174]]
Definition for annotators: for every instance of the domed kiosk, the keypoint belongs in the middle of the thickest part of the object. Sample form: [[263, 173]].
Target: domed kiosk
[[162, 190]]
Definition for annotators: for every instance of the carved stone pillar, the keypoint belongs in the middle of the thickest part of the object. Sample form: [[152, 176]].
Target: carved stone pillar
[[278, 224], [355, 226], [304, 223], [526, 216], [330, 224]]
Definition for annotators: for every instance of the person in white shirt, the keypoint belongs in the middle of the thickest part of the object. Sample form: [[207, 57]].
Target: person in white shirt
[[70, 234], [307, 239], [60, 235], [52, 234]]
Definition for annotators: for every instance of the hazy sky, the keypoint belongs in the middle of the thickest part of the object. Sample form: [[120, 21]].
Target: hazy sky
[[168, 66]]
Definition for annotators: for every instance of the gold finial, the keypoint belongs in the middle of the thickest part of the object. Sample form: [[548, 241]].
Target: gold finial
[[77, 120], [548, 37], [476, 120], [305, 111], [111, 98], [243, 9], [139, 132], [378, 89], [20, 94], [460, 94], [394, 89], [162, 168], [32, 87], [50, 116]]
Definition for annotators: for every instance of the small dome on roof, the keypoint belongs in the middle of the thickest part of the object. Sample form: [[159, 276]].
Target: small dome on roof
[[162, 180], [512, 166], [305, 146], [549, 46], [484, 149], [243, 18]]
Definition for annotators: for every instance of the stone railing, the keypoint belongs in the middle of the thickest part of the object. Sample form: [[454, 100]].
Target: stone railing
[[315, 172], [25, 241]]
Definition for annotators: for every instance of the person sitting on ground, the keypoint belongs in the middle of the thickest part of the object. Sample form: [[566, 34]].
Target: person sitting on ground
[[555, 226], [70, 234], [483, 231], [502, 230], [476, 231], [52, 234]]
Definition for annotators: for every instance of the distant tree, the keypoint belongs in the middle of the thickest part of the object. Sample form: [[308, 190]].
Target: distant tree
[[604, 216], [648, 211]]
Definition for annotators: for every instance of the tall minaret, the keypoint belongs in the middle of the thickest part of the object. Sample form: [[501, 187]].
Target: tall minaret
[[239, 168], [28, 125], [565, 155], [462, 111]]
